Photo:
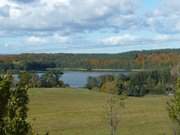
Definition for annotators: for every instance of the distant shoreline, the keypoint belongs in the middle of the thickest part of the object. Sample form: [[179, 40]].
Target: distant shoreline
[[83, 70], [100, 70]]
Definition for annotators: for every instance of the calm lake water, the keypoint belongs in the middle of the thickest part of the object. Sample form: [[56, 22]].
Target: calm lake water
[[79, 79]]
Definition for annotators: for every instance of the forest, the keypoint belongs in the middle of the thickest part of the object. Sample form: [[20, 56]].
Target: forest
[[149, 60]]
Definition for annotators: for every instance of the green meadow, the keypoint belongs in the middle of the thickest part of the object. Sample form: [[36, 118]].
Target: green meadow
[[81, 112]]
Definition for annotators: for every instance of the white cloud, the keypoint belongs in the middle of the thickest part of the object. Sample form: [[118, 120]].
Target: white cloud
[[6, 45], [60, 39], [33, 40], [68, 15], [15, 12], [165, 18], [3, 3], [118, 40], [139, 40], [82, 22], [165, 38], [53, 3], [50, 39]]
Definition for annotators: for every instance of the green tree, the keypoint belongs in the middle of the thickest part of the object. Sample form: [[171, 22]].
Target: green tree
[[174, 106], [13, 108], [16, 121], [25, 78], [51, 79], [175, 71], [35, 81], [92, 82], [4, 96]]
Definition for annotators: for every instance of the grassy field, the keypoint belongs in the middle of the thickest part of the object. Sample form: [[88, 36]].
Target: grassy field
[[81, 112]]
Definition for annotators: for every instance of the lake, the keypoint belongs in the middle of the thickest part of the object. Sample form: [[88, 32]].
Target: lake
[[78, 79]]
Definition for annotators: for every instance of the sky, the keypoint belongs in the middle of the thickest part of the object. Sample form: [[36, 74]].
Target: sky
[[88, 26]]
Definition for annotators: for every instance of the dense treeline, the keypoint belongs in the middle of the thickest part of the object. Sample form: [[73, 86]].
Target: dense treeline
[[135, 84], [49, 79], [130, 60]]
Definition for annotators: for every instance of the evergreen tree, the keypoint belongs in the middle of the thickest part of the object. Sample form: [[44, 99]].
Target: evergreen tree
[[4, 96], [174, 106], [16, 121], [13, 108]]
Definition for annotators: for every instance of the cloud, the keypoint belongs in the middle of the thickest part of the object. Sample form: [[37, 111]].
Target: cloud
[[42, 40], [115, 40], [138, 40], [88, 23], [33, 40], [69, 15], [4, 11], [60, 39], [23, 1], [6, 45], [165, 18]]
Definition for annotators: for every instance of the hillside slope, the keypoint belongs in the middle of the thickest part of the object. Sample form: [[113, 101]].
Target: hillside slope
[[82, 112]]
